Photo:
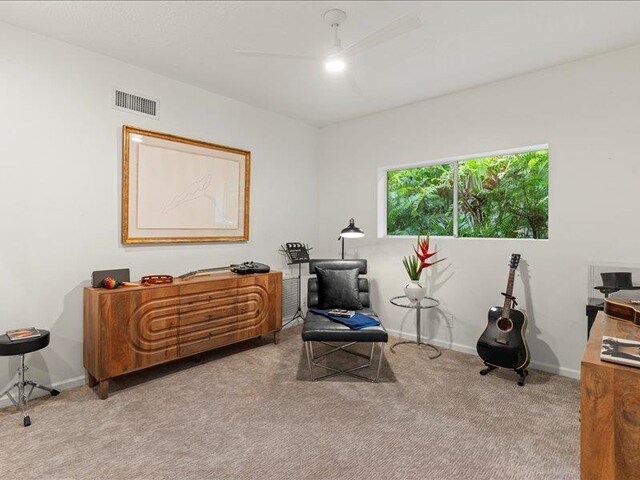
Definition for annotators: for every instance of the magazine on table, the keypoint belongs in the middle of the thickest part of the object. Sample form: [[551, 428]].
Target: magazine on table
[[22, 333], [620, 350]]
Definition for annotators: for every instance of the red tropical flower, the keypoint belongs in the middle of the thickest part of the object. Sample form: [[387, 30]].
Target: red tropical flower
[[423, 254], [414, 264]]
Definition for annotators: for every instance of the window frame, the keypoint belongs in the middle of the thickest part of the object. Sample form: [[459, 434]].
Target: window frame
[[453, 161]]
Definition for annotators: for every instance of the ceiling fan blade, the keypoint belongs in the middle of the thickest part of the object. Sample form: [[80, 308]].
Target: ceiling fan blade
[[287, 56], [392, 30]]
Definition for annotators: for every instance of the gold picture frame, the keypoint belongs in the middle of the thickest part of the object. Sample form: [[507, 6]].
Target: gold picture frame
[[180, 190]]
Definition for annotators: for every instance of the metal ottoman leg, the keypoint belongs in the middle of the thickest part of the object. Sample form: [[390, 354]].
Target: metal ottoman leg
[[380, 360], [311, 361], [309, 358]]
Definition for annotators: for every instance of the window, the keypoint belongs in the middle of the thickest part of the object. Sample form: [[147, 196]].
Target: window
[[420, 200], [502, 195]]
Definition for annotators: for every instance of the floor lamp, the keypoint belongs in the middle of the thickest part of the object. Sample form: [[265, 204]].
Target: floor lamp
[[350, 232]]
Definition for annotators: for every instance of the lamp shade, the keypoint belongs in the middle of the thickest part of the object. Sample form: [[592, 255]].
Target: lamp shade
[[351, 231]]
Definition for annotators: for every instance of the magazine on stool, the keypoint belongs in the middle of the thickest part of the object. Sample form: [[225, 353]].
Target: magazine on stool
[[22, 333]]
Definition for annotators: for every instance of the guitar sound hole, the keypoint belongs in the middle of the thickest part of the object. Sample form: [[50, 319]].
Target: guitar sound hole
[[504, 324]]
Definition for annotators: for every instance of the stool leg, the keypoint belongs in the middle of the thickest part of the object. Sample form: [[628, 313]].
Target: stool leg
[[6, 392], [24, 403], [23, 399], [13, 400], [52, 391]]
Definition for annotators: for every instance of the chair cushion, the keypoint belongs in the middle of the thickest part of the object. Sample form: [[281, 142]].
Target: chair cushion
[[338, 289], [318, 328], [312, 292]]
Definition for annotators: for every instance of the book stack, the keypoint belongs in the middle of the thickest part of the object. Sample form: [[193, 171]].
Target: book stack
[[22, 333]]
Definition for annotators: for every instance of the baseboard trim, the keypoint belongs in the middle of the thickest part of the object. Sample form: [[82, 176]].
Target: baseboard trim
[[62, 385], [471, 350]]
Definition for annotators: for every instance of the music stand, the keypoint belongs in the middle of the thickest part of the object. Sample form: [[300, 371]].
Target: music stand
[[297, 254]]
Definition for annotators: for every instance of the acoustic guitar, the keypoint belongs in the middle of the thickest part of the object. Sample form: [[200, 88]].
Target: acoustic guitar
[[503, 343], [623, 309]]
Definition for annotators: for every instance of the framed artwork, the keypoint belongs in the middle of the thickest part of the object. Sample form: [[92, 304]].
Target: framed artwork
[[175, 189]]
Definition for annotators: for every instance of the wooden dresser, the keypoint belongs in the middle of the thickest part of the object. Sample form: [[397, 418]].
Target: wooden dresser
[[609, 408], [132, 328]]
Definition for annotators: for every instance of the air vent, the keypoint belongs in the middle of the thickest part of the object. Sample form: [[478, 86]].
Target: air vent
[[134, 103]]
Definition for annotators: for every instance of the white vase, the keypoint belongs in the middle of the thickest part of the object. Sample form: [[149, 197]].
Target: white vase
[[415, 291]]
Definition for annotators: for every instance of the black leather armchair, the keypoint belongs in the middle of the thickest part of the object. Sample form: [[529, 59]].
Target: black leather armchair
[[318, 328]]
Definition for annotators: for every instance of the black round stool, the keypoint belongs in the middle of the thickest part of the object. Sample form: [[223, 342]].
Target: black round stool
[[22, 347]]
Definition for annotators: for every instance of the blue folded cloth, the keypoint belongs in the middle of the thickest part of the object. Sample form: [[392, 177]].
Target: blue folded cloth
[[357, 322]]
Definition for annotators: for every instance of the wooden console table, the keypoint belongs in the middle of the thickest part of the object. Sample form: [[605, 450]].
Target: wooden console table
[[609, 408], [132, 328]]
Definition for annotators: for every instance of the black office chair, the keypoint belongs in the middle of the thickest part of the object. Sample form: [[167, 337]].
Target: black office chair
[[318, 328]]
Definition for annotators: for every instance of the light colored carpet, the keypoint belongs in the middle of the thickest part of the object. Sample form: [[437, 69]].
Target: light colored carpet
[[249, 411]]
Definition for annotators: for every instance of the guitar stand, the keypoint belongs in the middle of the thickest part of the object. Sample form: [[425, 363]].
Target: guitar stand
[[522, 373]]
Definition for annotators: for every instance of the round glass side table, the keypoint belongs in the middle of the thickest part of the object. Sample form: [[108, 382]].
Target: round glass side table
[[426, 302]]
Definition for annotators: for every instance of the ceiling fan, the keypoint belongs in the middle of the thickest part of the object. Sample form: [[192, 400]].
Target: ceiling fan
[[335, 61]]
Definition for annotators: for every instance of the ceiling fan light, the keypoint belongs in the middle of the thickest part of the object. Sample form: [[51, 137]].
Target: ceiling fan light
[[334, 65]]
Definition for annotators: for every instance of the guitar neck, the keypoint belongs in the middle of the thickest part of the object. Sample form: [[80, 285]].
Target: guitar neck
[[506, 309]]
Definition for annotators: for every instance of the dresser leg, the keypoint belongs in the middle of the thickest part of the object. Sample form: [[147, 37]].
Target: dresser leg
[[103, 389], [276, 337], [91, 380]]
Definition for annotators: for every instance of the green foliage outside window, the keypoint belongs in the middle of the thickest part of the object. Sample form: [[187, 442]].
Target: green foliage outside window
[[420, 201], [504, 196]]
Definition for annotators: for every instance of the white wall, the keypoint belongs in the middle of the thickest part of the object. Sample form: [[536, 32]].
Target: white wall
[[60, 186], [589, 114], [60, 191]]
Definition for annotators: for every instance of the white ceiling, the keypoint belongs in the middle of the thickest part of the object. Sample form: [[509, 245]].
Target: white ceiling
[[460, 45]]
